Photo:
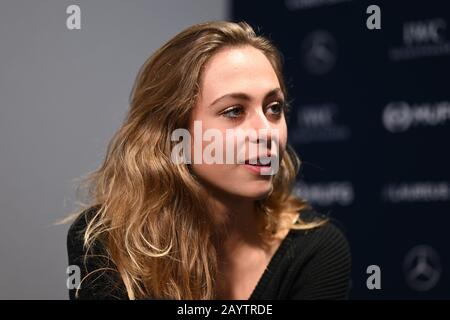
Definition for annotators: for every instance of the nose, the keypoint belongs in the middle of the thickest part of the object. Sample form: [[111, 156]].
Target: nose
[[259, 121], [263, 128]]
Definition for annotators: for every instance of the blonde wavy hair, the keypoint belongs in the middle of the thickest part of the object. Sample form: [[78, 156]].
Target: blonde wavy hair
[[151, 217]]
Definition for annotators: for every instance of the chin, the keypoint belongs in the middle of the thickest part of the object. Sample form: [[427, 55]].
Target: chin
[[257, 191]]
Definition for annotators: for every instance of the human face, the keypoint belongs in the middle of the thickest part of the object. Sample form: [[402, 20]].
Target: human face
[[239, 89]]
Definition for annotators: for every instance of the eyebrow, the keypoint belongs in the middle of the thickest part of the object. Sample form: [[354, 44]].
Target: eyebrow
[[244, 96]]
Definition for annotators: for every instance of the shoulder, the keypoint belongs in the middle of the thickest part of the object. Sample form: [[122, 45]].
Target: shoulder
[[75, 235], [329, 230], [327, 241], [99, 276], [322, 261], [330, 234]]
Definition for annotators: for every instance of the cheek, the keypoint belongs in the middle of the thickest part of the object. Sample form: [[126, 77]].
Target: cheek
[[283, 138]]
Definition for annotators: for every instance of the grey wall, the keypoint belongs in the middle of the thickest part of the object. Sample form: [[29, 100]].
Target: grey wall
[[63, 93]]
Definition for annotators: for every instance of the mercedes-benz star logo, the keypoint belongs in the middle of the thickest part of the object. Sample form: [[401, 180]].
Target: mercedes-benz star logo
[[422, 268], [319, 52]]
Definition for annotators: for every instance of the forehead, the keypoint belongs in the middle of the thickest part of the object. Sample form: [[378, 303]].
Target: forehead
[[238, 69]]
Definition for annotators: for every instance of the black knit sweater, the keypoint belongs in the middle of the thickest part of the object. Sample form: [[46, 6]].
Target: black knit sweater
[[311, 264]]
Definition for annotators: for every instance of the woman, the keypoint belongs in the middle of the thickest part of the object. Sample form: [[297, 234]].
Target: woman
[[155, 228]]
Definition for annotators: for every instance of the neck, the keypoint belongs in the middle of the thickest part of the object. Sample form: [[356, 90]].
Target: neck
[[236, 220]]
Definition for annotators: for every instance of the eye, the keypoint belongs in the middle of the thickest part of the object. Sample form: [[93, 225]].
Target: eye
[[276, 108], [233, 112]]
